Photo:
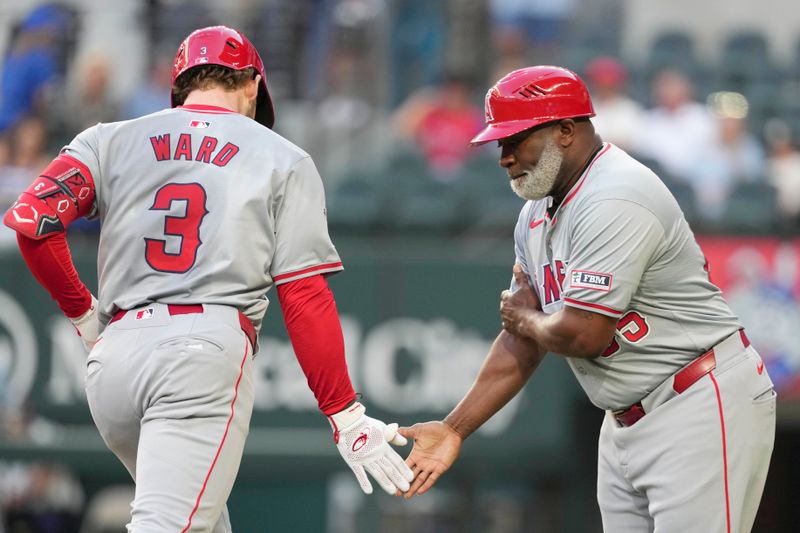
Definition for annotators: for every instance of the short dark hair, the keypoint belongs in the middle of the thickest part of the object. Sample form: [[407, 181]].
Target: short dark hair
[[207, 76]]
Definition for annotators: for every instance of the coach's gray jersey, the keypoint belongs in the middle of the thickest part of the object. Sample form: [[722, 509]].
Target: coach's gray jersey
[[226, 208], [619, 245]]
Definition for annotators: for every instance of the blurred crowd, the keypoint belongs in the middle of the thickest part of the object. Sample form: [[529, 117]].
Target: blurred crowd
[[367, 86]]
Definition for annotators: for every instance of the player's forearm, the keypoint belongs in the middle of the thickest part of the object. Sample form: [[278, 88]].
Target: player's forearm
[[508, 366], [51, 264], [569, 332], [312, 321]]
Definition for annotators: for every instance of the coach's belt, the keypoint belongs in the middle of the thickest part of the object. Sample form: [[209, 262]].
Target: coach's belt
[[682, 380], [189, 309]]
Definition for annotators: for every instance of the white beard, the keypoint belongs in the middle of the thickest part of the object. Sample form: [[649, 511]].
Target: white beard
[[538, 183]]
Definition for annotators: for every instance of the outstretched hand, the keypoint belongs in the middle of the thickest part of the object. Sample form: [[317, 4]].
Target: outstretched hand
[[364, 443], [436, 447], [516, 306]]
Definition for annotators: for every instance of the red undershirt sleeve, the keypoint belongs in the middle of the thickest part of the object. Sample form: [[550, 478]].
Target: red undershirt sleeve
[[51, 263], [312, 321]]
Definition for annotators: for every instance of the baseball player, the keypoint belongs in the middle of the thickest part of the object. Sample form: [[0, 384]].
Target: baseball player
[[609, 276], [203, 208]]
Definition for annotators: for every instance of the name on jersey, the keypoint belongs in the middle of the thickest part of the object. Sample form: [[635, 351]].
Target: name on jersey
[[583, 279], [204, 151]]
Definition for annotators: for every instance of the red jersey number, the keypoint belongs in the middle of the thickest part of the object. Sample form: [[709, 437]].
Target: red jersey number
[[633, 327], [187, 227]]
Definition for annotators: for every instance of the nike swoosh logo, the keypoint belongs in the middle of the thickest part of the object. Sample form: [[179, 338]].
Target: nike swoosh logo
[[535, 223], [760, 368]]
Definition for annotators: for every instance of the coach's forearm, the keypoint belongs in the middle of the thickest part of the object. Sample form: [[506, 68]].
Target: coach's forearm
[[508, 366], [570, 332]]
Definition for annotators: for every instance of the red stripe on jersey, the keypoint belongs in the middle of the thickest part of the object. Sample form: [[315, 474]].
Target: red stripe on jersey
[[201, 108], [593, 306], [724, 452], [224, 436], [307, 271]]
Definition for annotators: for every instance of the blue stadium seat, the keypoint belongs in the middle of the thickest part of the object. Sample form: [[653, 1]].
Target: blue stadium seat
[[417, 200], [685, 196], [357, 203], [672, 49], [746, 60], [750, 209]]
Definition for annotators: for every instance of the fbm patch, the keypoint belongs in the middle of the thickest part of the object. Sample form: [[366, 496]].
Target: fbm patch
[[583, 279]]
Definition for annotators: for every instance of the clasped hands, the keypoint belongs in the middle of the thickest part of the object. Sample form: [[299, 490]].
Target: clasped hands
[[516, 307], [436, 444]]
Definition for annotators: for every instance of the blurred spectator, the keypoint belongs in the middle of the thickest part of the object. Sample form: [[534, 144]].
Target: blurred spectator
[[783, 168], [417, 46], [34, 60], [41, 497], [90, 100], [154, 93], [734, 156], [343, 118], [168, 22], [468, 47], [536, 27], [109, 510], [26, 155], [29, 146], [282, 28], [339, 52], [441, 121], [5, 149], [677, 132], [618, 116]]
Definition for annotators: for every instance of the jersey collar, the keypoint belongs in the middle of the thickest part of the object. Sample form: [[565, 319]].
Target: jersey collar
[[575, 188], [202, 108]]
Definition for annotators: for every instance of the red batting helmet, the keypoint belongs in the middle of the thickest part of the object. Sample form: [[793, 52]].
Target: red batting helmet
[[531, 96], [220, 45]]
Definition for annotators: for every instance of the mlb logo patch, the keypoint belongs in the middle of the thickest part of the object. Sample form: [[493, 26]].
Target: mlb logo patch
[[144, 314], [199, 124], [584, 279]]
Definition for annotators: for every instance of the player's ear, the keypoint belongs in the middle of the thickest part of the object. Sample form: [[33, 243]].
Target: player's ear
[[252, 87], [566, 131]]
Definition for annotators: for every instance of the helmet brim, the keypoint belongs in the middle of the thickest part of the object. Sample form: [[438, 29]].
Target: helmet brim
[[501, 130], [265, 111]]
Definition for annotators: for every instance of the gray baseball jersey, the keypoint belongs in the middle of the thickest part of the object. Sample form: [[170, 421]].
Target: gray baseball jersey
[[199, 205], [219, 208], [619, 245]]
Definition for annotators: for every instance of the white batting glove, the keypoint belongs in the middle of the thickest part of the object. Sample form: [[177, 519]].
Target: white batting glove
[[364, 445], [88, 326]]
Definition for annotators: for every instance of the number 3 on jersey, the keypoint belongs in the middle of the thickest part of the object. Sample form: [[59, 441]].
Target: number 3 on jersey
[[187, 227]]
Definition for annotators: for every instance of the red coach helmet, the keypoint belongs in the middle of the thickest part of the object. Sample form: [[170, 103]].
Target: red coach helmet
[[220, 45], [531, 96]]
